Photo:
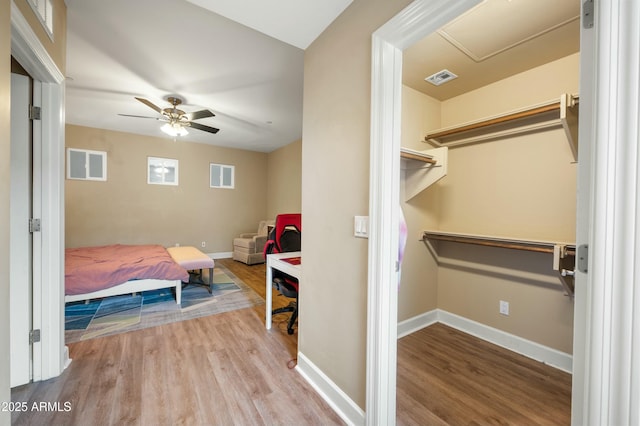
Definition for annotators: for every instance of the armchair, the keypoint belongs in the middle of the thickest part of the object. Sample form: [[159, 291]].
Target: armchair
[[248, 247]]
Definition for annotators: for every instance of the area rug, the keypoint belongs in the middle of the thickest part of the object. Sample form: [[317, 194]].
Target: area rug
[[119, 314]]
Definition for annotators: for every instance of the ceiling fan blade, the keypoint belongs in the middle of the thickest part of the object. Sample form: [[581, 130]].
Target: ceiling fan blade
[[199, 114], [139, 116], [204, 128], [150, 105]]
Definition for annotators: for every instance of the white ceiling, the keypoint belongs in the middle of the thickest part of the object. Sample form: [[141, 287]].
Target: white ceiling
[[252, 81], [297, 22], [243, 60]]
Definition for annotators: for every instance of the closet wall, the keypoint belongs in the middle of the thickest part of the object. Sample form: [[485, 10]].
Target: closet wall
[[518, 187], [418, 287]]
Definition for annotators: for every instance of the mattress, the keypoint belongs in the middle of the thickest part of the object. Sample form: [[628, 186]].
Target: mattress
[[89, 269]]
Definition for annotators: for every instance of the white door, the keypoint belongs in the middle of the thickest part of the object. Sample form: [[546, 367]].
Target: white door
[[20, 257]]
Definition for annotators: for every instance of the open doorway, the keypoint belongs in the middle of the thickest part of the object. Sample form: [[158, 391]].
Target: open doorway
[[510, 179], [417, 21]]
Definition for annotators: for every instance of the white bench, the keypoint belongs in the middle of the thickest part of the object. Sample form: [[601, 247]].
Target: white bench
[[192, 259]]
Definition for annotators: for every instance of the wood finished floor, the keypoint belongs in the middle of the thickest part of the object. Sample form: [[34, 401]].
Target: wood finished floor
[[228, 370], [225, 369], [446, 377]]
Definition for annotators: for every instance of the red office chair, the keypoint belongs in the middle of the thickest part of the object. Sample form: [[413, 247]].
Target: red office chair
[[283, 238]]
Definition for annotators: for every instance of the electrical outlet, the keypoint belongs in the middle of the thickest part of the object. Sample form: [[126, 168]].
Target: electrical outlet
[[204, 244], [504, 307]]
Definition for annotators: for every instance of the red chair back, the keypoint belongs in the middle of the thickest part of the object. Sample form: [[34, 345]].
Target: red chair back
[[279, 241]]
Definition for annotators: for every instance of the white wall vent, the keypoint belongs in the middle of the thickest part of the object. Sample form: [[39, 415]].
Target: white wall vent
[[441, 77]]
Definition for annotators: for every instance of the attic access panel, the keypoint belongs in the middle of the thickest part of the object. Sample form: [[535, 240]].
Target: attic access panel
[[471, 34]]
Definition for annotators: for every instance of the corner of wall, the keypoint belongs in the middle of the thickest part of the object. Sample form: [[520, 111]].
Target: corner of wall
[[339, 401], [533, 350], [284, 180]]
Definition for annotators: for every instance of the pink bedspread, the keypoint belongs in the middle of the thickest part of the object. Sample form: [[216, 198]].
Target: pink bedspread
[[89, 269]]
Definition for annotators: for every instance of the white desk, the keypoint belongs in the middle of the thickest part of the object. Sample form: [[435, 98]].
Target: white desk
[[275, 261]]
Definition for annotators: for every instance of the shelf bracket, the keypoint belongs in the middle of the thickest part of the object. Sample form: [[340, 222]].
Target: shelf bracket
[[564, 261], [569, 120], [418, 179]]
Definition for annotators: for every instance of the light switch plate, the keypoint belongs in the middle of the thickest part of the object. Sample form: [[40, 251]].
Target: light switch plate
[[361, 226]]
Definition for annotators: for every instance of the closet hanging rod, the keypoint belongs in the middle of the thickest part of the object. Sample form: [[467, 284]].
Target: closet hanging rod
[[535, 246], [498, 120]]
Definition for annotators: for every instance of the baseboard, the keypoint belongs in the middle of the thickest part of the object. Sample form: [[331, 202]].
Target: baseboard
[[416, 323], [348, 410], [528, 348], [352, 414], [66, 361], [221, 255]]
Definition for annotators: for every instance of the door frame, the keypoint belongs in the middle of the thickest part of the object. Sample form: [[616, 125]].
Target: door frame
[[607, 309], [420, 18], [606, 346], [50, 356]]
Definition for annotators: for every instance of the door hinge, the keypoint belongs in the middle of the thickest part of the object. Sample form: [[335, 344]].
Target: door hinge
[[35, 112], [587, 14], [34, 336], [582, 260], [34, 225]]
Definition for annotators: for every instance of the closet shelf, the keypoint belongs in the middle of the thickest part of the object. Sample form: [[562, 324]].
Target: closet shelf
[[558, 112], [411, 154], [563, 253], [421, 169]]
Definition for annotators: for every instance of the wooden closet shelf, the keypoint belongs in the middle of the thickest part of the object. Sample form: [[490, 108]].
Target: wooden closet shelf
[[502, 119], [421, 169], [417, 155], [537, 246], [562, 112]]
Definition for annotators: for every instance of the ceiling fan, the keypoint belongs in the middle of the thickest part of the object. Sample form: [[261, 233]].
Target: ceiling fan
[[175, 119]]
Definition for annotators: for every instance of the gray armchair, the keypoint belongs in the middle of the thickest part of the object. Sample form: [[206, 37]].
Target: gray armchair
[[248, 247]]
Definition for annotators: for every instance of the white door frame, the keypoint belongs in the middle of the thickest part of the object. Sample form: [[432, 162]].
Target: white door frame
[[607, 313], [420, 18], [50, 356], [606, 367]]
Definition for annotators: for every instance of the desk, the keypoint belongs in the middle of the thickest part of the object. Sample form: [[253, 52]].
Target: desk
[[276, 261]]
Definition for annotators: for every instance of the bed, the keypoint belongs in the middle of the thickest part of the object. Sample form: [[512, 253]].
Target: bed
[[96, 272]]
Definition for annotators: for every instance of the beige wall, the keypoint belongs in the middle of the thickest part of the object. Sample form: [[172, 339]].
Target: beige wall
[[519, 187], [125, 209], [335, 188], [284, 179], [418, 287], [532, 178], [537, 85], [5, 143], [472, 280]]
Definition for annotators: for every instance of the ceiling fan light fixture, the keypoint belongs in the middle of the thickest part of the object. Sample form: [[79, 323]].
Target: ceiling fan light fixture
[[174, 129], [176, 121]]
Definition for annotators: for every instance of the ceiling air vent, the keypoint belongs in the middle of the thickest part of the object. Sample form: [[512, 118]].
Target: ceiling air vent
[[441, 77]]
